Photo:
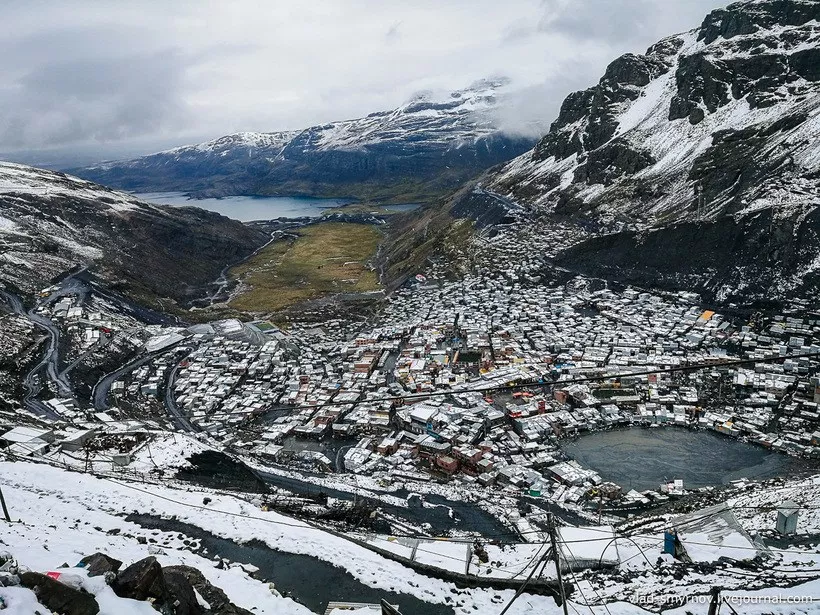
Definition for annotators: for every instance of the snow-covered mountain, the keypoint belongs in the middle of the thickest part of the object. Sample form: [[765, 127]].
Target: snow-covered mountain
[[51, 222], [732, 106], [694, 164], [419, 149]]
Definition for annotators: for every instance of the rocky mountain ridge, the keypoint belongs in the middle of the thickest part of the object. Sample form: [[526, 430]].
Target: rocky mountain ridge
[[732, 107], [425, 147], [51, 222]]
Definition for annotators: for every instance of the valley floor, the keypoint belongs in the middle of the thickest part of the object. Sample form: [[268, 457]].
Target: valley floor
[[313, 261]]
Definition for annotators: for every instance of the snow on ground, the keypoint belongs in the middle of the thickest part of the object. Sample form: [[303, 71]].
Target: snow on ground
[[30, 180], [61, 510], [66, 516], [6, 225], [450, 555], [588, 545], [167, 451]]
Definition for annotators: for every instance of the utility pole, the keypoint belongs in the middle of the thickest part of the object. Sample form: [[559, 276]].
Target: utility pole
[[556, 557], [5, 510], [714, 604]]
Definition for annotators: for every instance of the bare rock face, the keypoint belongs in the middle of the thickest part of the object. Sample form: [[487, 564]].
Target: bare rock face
[[141, 580], [749, 18], [180, 597], [58, 597], [99, 563], [589, 118], [217, 600]]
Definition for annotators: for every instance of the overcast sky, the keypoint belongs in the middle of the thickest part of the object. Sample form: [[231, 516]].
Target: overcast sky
[[141, 76]]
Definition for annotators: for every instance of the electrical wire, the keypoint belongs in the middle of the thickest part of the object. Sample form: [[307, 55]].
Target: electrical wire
[[578, 585], [308, 525], [526, 582]]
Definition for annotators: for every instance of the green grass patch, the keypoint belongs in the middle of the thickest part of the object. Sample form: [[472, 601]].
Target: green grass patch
[[326, 258]]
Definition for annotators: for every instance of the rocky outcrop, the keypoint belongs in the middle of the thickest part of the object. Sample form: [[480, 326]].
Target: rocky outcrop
[[180, 595], [744, 70], [218, 603], [589, 118], [170, 590], [757, 259], [743, 18], [100, 564], [141, 580], [59, 597], [612, 160]]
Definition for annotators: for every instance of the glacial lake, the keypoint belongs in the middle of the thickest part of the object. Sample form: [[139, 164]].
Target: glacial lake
[[643, 458], [247, 208]]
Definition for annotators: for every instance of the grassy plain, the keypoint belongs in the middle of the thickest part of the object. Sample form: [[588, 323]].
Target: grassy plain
[[326, 258]]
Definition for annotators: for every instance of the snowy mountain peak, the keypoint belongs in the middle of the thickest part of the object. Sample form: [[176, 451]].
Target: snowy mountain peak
[[239, 139], [402, 151]]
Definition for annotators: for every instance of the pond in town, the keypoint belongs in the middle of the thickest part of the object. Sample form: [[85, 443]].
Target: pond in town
[[643, 458], [247, 208]]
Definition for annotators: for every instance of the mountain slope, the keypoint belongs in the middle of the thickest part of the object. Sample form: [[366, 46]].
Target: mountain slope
[[50, 222], [694, 164], [733, 105], [423, 148]]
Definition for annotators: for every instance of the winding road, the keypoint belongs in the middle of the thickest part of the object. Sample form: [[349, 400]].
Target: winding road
[[51, 359], [171, 405]]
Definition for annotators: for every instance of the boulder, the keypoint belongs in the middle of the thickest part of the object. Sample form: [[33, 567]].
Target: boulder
[[58, 597], [140, 581], [215, 597], [99, 563], [180, 599]]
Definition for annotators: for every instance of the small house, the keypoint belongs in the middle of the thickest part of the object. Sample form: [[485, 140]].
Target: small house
[[787, 518]]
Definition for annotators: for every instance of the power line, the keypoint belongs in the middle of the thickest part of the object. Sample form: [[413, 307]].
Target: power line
[[526, 582], [608, 538], [578, 585], [554, 550]]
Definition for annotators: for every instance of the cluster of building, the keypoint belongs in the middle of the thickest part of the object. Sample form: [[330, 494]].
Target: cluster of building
[[423, 393], [426, 392]]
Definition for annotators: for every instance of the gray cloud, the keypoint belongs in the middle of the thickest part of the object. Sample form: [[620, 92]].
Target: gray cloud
[[120, 76], [105, 99], [600, 30]]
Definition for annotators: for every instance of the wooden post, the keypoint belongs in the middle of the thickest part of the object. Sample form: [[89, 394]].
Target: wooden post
[[556, 557], [714, 604], [5, 510]]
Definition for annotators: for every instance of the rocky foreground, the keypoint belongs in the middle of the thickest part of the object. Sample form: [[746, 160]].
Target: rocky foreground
[[98, 581]]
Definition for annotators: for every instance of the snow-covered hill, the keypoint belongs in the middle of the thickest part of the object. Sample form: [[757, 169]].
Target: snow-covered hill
[[51, 222], [426, 145]]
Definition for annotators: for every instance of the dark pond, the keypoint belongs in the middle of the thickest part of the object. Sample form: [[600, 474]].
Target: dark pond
[[643, 458]]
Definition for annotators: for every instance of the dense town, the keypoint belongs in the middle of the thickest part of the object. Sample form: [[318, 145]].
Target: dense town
[[480, 381]]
